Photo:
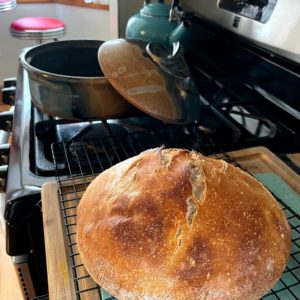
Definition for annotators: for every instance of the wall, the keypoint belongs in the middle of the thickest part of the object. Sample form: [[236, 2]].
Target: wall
[[127, 8], [82, 23]]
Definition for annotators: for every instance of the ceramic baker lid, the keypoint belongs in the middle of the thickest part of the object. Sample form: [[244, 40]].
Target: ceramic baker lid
[[152, 78]]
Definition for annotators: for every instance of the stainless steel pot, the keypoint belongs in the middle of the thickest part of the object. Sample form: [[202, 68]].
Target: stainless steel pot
[[66, 81]]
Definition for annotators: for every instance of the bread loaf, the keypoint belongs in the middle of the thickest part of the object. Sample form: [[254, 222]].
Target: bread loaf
[[173, 224]]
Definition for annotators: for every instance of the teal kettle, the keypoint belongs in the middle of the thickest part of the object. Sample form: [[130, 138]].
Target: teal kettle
[[160, 23]]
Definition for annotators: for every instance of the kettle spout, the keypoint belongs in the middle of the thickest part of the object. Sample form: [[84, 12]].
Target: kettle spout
[[182, 33]]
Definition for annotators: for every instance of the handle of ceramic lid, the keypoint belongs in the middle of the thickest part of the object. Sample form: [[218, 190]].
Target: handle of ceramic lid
[[173, 64], [158, 53], [154, 57]]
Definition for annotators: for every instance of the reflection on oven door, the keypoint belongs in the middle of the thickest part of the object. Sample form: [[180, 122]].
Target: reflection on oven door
[[258, 10]]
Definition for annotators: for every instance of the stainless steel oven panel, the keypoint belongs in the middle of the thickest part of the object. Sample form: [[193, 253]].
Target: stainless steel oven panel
[[280, 33], [20, 180]]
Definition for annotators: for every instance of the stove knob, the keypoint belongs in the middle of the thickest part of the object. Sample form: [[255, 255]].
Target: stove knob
[[6, 119], [8, 95], [9, 90], [4, 154], [9, 82], [3, 177]]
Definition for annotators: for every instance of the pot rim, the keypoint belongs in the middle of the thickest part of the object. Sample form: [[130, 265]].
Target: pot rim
[[55, 76]]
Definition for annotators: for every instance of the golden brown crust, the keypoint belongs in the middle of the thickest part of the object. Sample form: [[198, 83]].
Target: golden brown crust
[[173, 224]]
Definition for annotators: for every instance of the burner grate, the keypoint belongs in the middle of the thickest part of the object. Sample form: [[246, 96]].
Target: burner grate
[[85, 159]]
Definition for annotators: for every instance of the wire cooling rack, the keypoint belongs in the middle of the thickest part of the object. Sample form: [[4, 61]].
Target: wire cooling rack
[[79, 162]]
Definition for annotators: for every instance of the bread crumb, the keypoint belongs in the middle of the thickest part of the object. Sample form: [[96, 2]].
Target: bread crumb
[[192, 262], [270, 264]]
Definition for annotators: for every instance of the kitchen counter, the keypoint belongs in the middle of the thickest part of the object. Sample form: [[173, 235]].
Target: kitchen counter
[[9, 284]]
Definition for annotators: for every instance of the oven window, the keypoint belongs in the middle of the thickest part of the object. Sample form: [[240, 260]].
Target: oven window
[[258, 10]]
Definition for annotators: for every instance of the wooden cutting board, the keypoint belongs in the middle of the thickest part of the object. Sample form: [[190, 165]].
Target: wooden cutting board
[[60, 278]]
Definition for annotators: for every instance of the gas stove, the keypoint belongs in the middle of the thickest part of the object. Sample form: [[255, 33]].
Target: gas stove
[[248, 97], [250, 94]]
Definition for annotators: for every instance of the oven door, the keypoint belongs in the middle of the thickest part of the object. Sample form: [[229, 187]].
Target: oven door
[[261, 21]]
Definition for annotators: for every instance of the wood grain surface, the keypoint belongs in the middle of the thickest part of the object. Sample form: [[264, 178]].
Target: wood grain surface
[[58, 262], [9, 284], [295, 158], [260, 160]]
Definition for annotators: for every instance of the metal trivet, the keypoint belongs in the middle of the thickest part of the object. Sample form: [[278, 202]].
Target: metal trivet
[[85, 159]]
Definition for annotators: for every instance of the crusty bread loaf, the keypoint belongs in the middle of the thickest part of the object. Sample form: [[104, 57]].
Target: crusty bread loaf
[[173, 224]]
